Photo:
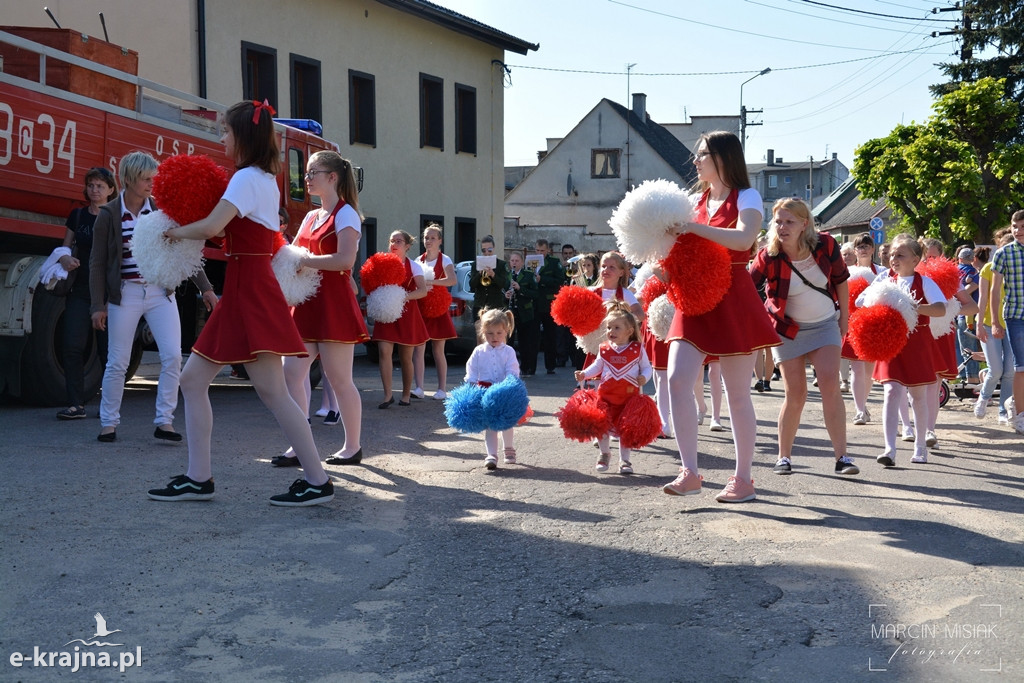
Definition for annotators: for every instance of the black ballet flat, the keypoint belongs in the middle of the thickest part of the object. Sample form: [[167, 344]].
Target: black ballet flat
[[107, 438], [284, 461], [166, 435], [387, 403], [405, 404], [350, 460]]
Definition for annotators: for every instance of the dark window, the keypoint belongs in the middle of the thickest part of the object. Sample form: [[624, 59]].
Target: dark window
[[465, 239], [465, 119], [306, 100], [296, 172], [362, 109], [604, 163], [259, 73], [368, 244], [431, 111]]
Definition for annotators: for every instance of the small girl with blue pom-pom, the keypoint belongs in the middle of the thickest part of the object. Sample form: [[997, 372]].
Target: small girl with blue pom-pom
[[490, 363]]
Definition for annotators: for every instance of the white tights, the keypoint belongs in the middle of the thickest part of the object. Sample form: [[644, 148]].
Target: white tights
[[895, 397], [491, 440]]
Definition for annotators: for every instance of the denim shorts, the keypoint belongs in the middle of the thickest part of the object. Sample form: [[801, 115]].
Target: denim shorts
[[1015, 331]]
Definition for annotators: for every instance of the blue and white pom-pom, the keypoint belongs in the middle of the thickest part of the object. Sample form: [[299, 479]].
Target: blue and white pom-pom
[[161, 261], [297, 284], [659, 317], [463, 408], [386, 303], [645, 221], [505, 403]]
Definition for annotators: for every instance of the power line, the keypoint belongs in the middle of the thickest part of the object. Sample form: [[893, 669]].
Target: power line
[[864, 11], [844, 22]]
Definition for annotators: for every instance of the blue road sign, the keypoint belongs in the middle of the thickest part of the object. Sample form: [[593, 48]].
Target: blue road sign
[[877, 236]]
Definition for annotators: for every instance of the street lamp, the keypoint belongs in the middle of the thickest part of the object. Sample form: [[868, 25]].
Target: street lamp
[[743, 110]]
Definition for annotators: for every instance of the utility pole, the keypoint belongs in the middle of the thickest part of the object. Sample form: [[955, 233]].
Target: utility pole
[[966, 53]]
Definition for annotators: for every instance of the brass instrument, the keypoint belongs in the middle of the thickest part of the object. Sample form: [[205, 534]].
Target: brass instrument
[[574, 271], [485, 280]]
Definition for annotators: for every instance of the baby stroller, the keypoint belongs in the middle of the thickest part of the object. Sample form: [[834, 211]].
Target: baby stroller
[[963, 389]]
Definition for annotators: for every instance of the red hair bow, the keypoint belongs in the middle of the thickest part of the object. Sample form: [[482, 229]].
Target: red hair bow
[[258, 107]]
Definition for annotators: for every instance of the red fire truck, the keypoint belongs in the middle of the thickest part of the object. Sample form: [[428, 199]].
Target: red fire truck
[[70, 102]]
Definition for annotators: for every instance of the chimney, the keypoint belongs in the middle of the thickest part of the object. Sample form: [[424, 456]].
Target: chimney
[[640, 106], [771, 157], [835, 156]]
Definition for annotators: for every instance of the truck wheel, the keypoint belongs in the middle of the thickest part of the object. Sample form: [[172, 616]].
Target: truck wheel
[[42, 362]]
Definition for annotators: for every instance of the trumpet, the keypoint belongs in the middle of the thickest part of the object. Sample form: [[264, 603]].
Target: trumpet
[[485, 280], [574, 271]]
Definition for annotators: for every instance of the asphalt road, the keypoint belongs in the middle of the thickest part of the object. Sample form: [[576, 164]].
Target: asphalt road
[[427, 567]]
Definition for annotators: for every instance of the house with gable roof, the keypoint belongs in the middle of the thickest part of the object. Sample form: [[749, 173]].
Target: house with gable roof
[[571, 193], [844, 214]]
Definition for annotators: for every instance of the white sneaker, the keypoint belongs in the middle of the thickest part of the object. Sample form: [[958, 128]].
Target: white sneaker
[[930, 440], [417, 392], [1003, 419], [860, 419], [439, 395], [920, 458], [700, 418], [1018, 423], [844, 387], [322, 412], [716, 426], [491, 462], [908, 433], [979, 407]]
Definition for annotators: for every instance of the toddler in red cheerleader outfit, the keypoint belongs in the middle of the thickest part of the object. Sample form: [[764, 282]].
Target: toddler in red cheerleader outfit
[[490, 363], [623, 367]]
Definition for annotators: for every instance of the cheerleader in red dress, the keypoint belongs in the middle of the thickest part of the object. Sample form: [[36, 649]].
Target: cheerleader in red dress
[[913, 369], [330, 322], [730, 213], [438, 271], [251, 323], [623, 367], [860, 370], [614, 276], [408, 331]]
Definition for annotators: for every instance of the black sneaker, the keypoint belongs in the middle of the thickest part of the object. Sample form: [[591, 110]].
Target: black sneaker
[[284, 461], [301, 493], [759, 386], [886, 460], [183, 488], [333, 417], [783, 466], [844, 465], [72, 413]]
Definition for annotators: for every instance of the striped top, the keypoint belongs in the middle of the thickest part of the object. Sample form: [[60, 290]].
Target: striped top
[[1009, 262], [129, 268]]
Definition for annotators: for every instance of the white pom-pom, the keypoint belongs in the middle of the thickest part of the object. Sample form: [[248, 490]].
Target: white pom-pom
[[591, 343], [428, 274], [643, 274], [862, 272], [644, 222], [943, 324], [297, 284], [161, 261], [659, 316], [888, 293], [386, 303]]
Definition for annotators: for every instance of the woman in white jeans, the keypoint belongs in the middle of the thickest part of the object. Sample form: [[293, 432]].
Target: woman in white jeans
[[120, 298]]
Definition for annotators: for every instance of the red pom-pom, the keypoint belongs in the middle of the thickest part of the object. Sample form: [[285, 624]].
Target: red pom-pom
[[857, 286], [700, 273], [579, 309], [877, 333], [436, 303], [279, 241], [383, 268], [188, 186], [639, 424], [944, 272], [652, 289], [526, 416], [584, 417]]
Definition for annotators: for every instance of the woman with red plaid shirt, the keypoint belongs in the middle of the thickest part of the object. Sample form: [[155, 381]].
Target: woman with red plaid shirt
[[808, 299]]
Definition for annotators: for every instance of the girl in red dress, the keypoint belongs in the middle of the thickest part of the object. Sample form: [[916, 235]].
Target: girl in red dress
[[251, 324], [408, 331], [729, 212], [438, 271], [860, 370], [330, 322]]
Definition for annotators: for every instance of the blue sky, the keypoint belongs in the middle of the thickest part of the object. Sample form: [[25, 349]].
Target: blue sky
[[816, 100]]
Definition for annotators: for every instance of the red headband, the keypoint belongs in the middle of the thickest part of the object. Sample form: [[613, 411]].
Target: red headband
[[258, 107]]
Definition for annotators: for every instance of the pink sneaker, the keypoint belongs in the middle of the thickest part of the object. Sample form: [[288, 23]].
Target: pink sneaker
[[686, 484], [737, 491]]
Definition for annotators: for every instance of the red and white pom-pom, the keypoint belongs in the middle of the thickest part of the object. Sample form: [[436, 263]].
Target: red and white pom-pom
[[699, 272], [639, 423], [584, 417], [857, 286], [652, 289], [879, 329], [659, 317], [386, 303], [383, 268], [279, 241], [942, 325], [161, 261], [579, 309], [591, 343], [297, 283], [645, 221], [863, 273], [436, 303], [644, 272], [188, 186], [944, 272]]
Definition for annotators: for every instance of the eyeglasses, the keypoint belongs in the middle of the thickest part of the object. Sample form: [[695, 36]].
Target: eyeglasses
[[487, 250], [701, 156], [312, 174]]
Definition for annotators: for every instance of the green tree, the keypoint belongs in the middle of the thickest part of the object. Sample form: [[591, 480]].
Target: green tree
[[957, 176]]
